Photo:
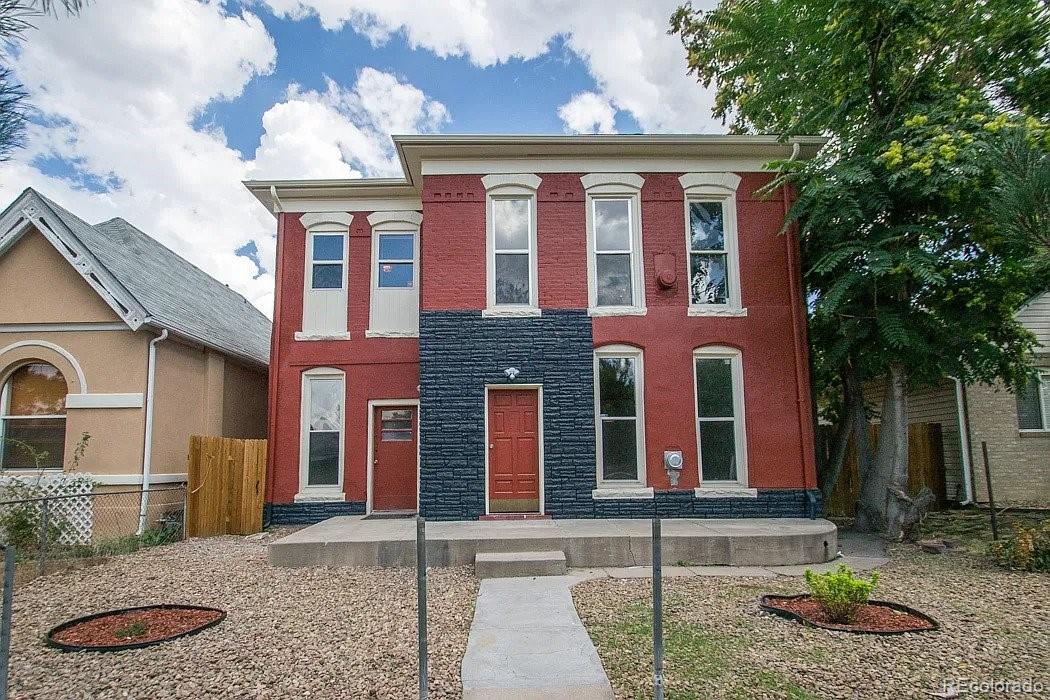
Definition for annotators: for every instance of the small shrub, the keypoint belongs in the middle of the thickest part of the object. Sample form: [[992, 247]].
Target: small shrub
[[1025, 549], [839, 593], [135, 629]]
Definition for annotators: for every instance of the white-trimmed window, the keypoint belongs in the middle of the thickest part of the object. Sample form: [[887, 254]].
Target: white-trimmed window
[[619, 415], [711, 243], [394, 299], [615, 280], [325, 278], [1033, 404], [33, 418], [511, 276], [321, 457], [720, 435]]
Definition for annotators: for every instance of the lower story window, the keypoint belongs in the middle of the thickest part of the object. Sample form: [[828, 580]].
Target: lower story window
[[719, 416], [33, 418], [324, 430], [618, 379], [1033, 404]]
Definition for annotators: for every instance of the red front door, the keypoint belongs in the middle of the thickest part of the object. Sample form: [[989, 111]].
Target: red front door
[[514, 451], [394, 458]]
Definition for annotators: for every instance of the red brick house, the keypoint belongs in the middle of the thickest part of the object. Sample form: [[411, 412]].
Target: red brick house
[[570, 326]]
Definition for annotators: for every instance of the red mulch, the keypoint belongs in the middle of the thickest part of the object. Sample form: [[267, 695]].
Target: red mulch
[[160, 623], [870, 618]]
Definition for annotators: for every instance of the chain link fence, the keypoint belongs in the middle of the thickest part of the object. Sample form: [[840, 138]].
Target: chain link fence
[[104, 522]]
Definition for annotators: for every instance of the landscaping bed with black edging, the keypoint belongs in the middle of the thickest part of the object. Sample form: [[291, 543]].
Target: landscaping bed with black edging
[[874, 617], [133, 628]]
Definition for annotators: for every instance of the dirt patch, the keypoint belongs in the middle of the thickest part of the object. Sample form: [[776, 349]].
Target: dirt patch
[[873, 617]]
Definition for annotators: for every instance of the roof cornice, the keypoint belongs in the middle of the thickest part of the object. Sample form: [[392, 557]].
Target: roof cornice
[[412, 150]]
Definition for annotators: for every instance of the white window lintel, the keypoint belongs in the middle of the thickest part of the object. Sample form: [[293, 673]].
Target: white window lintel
[[412, 219], [326, 220], [511, 183]]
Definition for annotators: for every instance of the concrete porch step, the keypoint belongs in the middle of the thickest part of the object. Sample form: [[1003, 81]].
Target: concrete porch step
[[518, 564]]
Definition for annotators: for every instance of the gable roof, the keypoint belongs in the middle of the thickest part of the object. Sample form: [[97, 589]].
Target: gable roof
[[145, 282]]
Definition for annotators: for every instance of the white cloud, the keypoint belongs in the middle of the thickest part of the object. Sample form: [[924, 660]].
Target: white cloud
[[638, 67], [588, 113], [121, 86], [355, 123]]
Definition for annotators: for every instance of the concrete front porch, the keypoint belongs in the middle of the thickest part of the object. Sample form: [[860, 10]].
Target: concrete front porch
[[356, 541]]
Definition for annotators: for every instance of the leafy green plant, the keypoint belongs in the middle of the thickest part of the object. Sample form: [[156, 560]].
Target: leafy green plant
[[1025, 549], [135, 629], [839, 593], [21, 522]]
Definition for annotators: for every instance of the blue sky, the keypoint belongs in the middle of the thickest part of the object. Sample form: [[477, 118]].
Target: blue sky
[[156, 110]]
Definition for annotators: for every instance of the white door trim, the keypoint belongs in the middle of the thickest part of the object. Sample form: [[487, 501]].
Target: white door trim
[[372, 405], [539, 427]]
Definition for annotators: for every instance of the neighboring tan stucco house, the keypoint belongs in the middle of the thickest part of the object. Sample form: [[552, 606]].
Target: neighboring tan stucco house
[[105, 331], [1015, 426]]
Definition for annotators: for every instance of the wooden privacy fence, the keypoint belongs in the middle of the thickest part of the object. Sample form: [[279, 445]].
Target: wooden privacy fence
[[925, 466], [226, 486]]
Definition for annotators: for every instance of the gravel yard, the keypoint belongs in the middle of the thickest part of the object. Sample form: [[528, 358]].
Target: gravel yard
[[718, 645], [290, 633]]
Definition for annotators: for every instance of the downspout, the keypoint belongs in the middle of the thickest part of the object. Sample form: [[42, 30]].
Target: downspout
[[963, 417], [795, 282], [147, 446]]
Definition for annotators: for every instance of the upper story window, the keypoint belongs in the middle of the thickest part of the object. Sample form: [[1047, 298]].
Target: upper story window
[[614, 243], [33, 418], [711, 244], [325, 279], [511, 234], [618, 421], [718, 378], [394, 296], [1033, 404], [327, 251]]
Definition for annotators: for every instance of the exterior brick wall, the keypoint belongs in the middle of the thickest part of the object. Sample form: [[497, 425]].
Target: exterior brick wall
[[461, 352], [1020, 462]]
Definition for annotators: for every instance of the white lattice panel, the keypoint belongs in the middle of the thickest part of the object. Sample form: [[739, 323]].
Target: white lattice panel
[[76, 513]]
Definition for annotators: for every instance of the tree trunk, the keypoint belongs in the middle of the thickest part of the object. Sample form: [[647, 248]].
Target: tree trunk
[[878, 509], [853, 414]]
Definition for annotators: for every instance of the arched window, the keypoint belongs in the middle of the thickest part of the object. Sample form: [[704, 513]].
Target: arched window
[[33, 418]]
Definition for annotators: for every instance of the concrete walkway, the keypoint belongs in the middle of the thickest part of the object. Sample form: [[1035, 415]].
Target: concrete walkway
[[527, 643]]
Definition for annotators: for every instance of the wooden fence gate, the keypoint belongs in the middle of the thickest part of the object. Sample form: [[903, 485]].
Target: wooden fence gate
[[226, 486], [925, 467]]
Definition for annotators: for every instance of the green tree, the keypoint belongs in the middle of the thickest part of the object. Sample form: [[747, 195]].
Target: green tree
[[909, 272], [16, 18]]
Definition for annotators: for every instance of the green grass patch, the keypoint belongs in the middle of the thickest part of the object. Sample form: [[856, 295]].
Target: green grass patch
[[699, 662]]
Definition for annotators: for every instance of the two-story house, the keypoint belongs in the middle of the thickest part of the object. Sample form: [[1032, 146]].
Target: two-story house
[[565, 326]]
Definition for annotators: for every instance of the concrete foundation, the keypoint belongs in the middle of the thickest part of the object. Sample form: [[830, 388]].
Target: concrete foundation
[[353, 541]]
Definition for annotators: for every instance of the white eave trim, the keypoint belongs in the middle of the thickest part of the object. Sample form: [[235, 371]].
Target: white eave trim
[[104, 401]]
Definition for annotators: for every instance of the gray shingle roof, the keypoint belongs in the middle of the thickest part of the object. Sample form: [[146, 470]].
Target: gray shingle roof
[[174, 293]]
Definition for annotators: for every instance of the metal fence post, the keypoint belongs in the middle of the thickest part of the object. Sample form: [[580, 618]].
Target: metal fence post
[[421, 601], [44, 526], [658, 614], [5, 618], [991, 498]]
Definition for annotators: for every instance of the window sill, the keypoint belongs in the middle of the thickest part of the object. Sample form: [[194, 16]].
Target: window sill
[[1034, 433], [303, 336], [391, 334], [332, 495], [728, 311], [518, 312], [724, 492], [609, 493], [617, 311]]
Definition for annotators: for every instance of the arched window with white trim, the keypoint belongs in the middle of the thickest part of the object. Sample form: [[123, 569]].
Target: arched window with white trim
[[33, 418], [718, 380]]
